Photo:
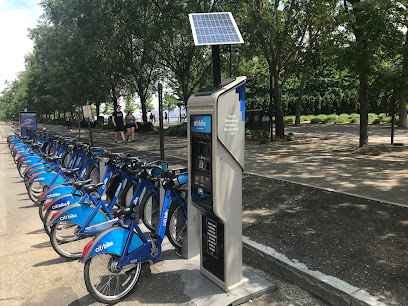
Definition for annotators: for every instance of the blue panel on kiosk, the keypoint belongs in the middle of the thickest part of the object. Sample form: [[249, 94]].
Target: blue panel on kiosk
[[215, 29], [200, 124]]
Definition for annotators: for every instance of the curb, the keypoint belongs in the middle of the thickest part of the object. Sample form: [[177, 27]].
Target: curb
[[328, 288]]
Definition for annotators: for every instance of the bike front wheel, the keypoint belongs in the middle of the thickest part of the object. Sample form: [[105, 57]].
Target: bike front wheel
[[106, 282], [66, 242]]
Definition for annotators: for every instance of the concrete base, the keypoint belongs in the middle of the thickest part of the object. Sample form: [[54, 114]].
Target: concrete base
[[200, 289]]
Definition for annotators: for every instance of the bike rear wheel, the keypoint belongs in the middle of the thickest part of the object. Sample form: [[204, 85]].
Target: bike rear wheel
[[66, 242], [105, 282], [176, 228], [150, 208]]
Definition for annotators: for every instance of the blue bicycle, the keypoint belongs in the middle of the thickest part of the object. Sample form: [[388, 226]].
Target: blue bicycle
[[113, 260]]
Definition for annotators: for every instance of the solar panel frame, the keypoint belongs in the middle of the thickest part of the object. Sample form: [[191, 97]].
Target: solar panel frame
[[218, 28]]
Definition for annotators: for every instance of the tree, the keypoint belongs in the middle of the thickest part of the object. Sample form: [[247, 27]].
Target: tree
[[281, 28], [369, 21]]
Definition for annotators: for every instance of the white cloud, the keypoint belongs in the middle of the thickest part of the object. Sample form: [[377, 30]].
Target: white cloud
[[14, 42]]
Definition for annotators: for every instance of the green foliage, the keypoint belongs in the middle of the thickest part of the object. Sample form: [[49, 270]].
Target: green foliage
[[289, 119], [354, 118], [260, 136], [145, 126], [177, 130]]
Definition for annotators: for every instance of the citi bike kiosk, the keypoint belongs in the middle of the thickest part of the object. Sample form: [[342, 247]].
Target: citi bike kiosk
[[216, 135]]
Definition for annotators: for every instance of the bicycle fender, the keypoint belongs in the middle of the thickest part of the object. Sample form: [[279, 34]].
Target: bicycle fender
[[56, 191], [46, 178], [61, 202], [112, 241], [31, 159], [31, 168], [78, 214]]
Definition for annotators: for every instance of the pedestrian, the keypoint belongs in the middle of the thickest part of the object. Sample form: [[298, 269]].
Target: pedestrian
[[165, 117], [119, 123], [69, 123], [151, 117], [154, 118], [131, 125]]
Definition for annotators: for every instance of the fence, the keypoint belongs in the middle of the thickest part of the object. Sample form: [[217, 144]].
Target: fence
[[257, 119]]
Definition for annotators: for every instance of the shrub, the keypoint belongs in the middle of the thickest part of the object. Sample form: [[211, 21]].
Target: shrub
[[289, 119], [330, 119], [108, 126], [318, 119], [343, 118], [178, 130], [371, 117], [305, 118], [355, 118], [145, 126], [376, 121]]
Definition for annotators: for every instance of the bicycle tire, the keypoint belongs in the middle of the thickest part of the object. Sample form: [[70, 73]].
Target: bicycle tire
[[92, 173], [41, 212], [66, 156], [150, 208], [102, 263], [66, 242], [127, 194], [176, 228], [35, 192]]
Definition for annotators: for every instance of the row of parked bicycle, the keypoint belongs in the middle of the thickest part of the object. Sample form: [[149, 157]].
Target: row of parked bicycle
[[98, 221]]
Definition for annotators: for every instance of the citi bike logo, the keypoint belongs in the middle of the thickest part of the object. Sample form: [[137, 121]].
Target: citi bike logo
[[55, 206], [198, 122], [103, 246], [83, 172], [119, 188], [39, 179], [51, 195], [166, 214], [104, 184], [67, 217]]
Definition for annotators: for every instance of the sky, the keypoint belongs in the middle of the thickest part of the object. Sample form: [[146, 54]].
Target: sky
[[16, 16]]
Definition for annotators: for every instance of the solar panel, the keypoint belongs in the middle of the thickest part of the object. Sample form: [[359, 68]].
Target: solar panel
[[214, 29]]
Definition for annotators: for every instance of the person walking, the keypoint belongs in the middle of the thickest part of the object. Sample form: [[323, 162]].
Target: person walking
[[119, 124], [131, 125], [69, 123], [165, 117]]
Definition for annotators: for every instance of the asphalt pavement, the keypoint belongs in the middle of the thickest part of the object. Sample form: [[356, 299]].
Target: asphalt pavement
[[317, 212]]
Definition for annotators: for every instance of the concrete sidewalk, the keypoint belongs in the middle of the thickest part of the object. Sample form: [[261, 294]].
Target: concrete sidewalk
[[318, 212]]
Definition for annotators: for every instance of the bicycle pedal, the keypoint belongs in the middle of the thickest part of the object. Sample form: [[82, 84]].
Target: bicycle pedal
[[154, 236]]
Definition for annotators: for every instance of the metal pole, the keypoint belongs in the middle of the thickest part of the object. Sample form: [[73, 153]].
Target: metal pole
[[393, 119], [160, 88], [230, 54], [216, 65], [79, 124], [90, 132]]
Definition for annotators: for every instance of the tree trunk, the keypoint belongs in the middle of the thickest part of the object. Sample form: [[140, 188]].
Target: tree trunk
[[364, 106], [143, 104], [275, 92], [98, 111], [302, 88], [403, 87], [279, 124]]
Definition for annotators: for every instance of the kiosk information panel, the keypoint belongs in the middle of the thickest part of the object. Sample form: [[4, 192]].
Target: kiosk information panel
[[28, 120], [216, 160]]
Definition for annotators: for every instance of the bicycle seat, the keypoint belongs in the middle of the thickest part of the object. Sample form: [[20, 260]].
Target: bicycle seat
[[70, 172], [52, 159], [91, 188], [126, 212], [78, 185]]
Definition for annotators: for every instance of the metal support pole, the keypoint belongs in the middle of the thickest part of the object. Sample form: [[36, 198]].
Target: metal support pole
[[230, 54], [393, 119], [90, 132], [216, 65], [160, 87]]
